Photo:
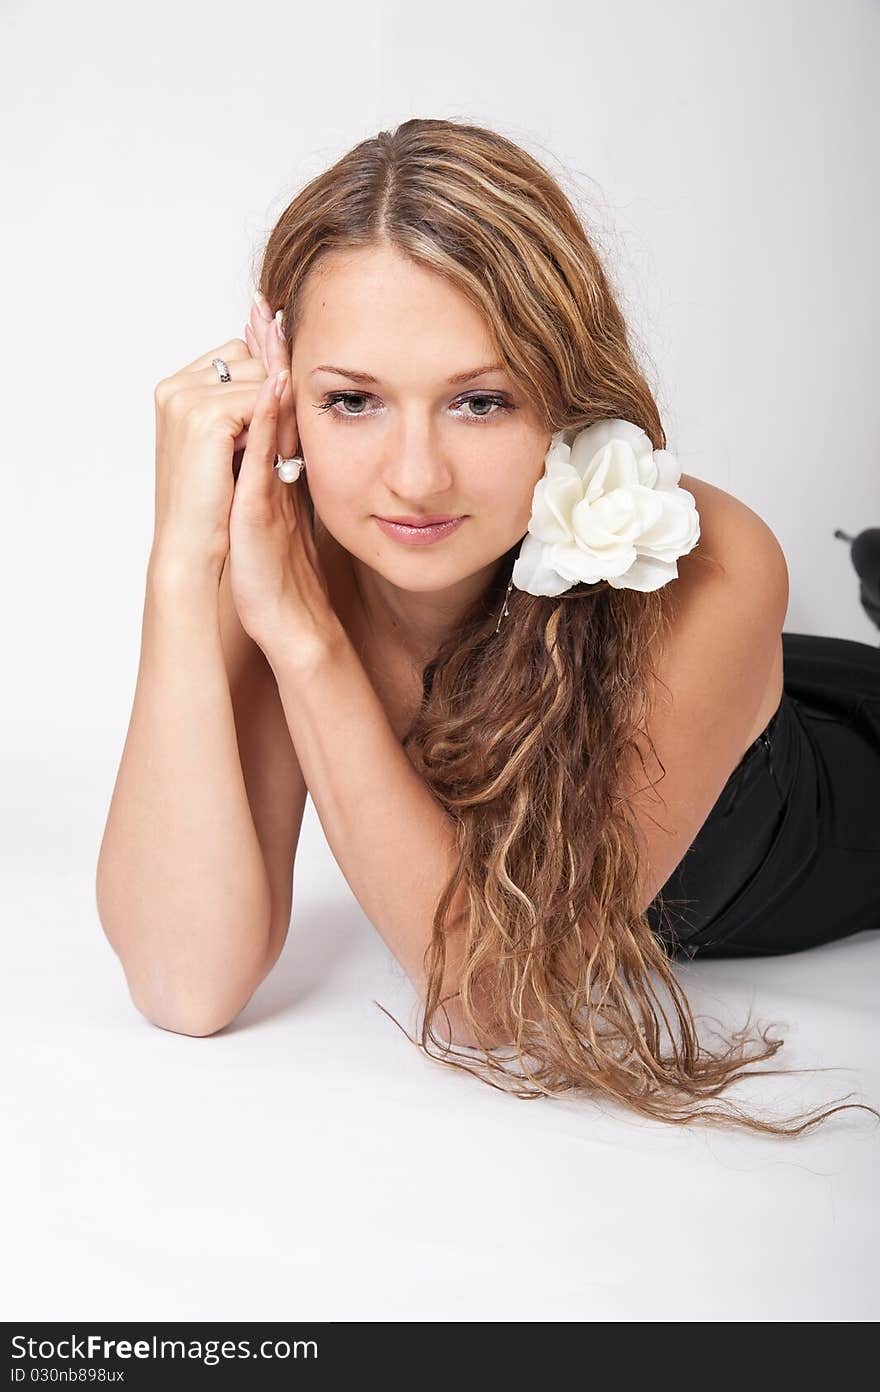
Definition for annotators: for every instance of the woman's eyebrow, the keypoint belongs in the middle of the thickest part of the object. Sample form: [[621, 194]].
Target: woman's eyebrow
[[374, 381]]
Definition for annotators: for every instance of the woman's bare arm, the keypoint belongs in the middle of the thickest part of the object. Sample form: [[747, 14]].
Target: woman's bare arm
[[183, 891], [391, 838]]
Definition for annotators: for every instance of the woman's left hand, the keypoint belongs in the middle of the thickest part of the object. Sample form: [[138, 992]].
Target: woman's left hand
[[275, 573]]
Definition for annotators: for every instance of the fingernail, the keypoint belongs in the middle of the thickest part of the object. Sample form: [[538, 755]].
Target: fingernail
[[262, 305], [279, 323], [281, 383]]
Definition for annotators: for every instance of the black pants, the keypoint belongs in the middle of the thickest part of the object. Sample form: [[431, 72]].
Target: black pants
[[789, 856]]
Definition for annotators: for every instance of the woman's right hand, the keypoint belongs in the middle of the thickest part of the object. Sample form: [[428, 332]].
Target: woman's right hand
[[200, 424]]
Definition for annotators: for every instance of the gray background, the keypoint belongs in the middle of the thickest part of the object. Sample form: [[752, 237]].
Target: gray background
[[306, 1162]]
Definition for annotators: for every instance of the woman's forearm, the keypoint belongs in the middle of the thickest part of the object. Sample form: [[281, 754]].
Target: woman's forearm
[[391, 838], [182, 890]]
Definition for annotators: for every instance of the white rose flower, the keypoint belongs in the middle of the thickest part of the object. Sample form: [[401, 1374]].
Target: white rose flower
[[607, 508]]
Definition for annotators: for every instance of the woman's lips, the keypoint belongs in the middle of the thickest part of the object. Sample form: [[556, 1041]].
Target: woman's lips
[[419, 536]]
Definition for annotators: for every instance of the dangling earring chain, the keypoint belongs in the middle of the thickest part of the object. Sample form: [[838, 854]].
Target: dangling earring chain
[[505, 610]]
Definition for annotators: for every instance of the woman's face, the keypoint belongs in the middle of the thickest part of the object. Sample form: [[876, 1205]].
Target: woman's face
[[411, 442]]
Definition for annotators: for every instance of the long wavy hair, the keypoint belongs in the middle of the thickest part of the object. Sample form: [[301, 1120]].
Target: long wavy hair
[[521, 734]]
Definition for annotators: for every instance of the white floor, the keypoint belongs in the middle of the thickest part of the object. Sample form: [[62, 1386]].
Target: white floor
[[309, 1163]]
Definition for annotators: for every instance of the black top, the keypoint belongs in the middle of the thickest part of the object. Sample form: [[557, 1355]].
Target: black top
[[789, 856]]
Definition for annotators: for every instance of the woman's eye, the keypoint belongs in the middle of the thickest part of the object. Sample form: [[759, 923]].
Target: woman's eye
[[347, 397], [333, 401], [484, 401]]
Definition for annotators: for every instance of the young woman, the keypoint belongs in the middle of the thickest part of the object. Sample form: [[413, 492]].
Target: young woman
[[554, 741]]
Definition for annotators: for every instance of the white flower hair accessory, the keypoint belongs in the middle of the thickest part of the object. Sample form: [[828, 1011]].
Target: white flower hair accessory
[[608, 507]]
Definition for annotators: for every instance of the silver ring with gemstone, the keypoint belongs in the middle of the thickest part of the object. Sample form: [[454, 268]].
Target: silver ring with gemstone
[[288, 470]]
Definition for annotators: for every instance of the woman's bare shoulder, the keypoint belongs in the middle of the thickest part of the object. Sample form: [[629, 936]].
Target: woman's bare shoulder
[[732, 533], [738, 574]]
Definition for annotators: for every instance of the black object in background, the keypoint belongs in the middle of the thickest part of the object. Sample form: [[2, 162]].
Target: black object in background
[[864, 552]]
